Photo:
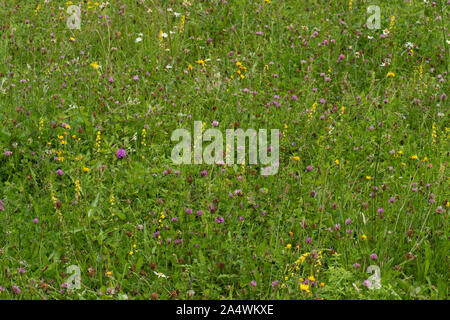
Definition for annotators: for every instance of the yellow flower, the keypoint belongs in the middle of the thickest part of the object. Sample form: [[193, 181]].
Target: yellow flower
[[288, 246], [390, 74], [364, 237], [322, 284], [368, 177], [336, 161], [414, 157], [72, 39], [311, 278], [304, 287], [131, 253], [95, 65], [296, 158], [202, 62], [85, 169]]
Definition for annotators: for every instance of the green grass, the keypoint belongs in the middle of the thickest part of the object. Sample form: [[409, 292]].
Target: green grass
[[374, 137]]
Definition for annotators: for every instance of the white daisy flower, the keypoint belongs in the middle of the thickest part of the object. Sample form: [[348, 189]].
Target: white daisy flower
[[160, 274]]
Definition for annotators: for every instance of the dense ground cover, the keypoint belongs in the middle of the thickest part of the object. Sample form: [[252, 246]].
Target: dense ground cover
[[87, 180]]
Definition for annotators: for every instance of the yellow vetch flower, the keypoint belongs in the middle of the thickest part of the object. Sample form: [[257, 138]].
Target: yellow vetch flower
[[288, 246], [296, 158], [390, 74]]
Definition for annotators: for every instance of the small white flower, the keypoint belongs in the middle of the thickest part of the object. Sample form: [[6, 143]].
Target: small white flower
[[176, 14], [138, 39], [369, 37], [160, 274], [409, 45], [385, 32], [168, 66]]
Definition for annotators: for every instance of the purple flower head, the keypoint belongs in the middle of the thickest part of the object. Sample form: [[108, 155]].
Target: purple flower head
[[121, 153], [219, 220], [16, 289], [373, 256], [59, 172]]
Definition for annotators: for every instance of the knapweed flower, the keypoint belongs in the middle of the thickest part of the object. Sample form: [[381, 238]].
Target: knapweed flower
[[121, 153], [253, 283], [16, 289], [59, 172], [373, 256], [219, 220]]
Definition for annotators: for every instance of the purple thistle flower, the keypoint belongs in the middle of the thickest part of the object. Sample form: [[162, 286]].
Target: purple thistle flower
[[16, 289], [121, 153], [219, 220]]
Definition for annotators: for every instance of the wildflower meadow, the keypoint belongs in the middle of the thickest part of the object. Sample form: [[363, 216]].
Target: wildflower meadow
[[224, 149]]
